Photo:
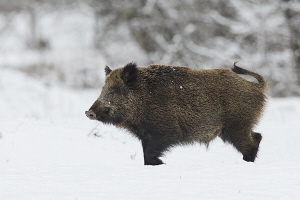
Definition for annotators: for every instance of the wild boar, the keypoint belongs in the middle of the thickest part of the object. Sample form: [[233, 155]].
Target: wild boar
[[164, 106]]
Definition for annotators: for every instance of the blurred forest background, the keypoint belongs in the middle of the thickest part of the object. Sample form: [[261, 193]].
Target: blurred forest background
[[68, 42]]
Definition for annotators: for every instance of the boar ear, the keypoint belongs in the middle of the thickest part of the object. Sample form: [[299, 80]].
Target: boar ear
[[129, 74], [107, 70]]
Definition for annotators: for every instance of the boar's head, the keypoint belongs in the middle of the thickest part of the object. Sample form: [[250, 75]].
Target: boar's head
[[115, 101]]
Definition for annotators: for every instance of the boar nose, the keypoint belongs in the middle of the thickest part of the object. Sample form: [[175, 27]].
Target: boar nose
[[90, 114]]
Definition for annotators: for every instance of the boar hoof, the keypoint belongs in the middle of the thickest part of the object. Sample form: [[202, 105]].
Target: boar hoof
[[250, 157], [155, 161]]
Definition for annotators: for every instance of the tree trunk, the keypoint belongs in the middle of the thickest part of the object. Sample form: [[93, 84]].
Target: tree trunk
[[294, 31]]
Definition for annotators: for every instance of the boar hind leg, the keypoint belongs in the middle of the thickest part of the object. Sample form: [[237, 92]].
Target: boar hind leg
[[252, 154], [246, 142], [152, 151]]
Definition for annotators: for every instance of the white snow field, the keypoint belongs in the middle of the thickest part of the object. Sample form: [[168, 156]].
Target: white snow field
[[50, 150]]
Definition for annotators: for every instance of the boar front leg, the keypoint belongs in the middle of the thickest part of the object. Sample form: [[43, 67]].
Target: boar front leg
[[152, 151]]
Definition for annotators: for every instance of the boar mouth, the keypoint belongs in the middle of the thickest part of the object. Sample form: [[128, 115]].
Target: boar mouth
[[91, 115], [103, 117], [94, 114]]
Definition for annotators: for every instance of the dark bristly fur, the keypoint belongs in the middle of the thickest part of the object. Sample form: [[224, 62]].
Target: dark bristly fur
[[165, 106]]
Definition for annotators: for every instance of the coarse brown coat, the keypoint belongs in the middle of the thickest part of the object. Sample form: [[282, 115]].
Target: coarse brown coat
[[164, 106]]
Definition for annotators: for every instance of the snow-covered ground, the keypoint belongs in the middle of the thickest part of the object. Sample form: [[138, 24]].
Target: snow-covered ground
[[50, 150]]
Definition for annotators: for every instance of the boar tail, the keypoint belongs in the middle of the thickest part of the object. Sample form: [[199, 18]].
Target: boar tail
[[260, 79]]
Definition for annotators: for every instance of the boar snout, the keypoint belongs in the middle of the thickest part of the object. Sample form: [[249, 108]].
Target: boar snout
[[91, 114]]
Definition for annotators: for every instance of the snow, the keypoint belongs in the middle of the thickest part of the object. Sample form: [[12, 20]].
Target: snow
[[50, 150]]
